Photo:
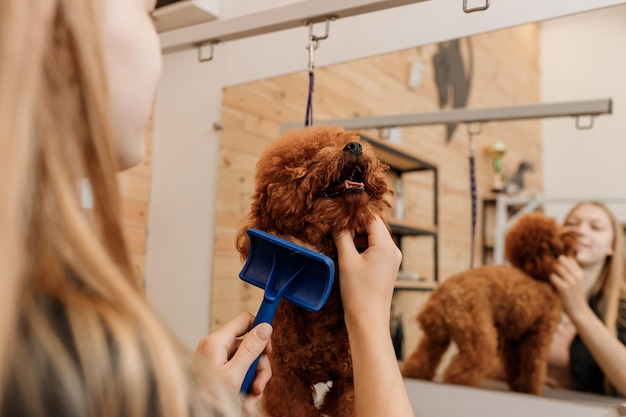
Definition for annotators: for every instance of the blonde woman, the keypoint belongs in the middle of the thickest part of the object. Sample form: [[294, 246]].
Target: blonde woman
[[589, 351], [77, 338]]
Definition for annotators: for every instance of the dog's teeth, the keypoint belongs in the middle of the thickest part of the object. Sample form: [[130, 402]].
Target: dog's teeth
[[353, 185]]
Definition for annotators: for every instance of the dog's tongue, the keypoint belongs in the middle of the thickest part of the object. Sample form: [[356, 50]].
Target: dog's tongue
[[348, 185], [353, 185]]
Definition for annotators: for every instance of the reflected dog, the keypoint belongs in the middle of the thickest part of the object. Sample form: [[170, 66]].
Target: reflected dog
[[506, 311]]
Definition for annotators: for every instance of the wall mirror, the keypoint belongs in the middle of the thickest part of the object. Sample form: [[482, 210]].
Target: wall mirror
[[571, 58]]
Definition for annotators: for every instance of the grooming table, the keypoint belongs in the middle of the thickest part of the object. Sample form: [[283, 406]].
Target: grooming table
[[434, 399]]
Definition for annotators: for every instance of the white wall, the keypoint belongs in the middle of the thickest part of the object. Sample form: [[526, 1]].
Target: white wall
[[584, 57], [186, 147]]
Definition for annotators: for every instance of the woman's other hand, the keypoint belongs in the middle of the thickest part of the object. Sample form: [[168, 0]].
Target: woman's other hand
[[367, 279], [232, 349], [568, 280]]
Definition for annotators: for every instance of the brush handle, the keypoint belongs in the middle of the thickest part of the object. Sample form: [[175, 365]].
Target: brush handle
[[266, 314]]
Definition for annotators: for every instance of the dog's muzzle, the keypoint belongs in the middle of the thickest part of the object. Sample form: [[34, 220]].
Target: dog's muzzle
[[351, 179]]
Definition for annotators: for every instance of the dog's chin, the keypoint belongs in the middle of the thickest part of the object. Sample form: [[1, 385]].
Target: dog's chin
[[342, 210]]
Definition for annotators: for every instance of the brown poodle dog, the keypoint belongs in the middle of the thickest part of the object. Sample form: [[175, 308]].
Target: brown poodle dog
[[310, 183], [510, 310]]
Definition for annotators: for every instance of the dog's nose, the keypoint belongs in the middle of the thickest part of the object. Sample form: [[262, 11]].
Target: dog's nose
[[354, 147]]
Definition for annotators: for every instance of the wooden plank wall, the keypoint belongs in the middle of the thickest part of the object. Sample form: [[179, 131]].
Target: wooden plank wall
[[505, 72]]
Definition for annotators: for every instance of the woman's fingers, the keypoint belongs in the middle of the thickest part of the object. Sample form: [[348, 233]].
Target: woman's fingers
[[557, 281], [261, 378], [568, 269], [569, 265], [251, 347], [233, 355], [568, 281], [220, 345], [380, 238], [344, 241], [263, 375], [238, 326]]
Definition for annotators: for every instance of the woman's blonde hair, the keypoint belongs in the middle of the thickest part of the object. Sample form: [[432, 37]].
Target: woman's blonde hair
[[77, 337], [612, 280]]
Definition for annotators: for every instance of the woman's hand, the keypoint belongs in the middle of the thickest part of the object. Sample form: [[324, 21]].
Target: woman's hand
[[366, 281], [568, 281], [607, 350], [367, 278], [232, 355]]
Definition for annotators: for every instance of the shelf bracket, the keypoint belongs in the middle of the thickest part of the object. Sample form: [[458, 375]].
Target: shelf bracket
[[587, 126], [200, 46], [474, 9]]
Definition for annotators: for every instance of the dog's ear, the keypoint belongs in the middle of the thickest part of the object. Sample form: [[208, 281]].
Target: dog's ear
[[242, 242]]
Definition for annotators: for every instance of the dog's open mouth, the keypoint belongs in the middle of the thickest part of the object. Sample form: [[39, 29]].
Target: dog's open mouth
[[350, 181]]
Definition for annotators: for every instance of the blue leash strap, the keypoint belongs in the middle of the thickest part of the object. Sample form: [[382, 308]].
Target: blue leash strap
[[308, 119], [472, 167]]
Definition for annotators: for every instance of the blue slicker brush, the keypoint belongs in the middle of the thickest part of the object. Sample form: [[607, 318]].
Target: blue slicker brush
[[284, 270]]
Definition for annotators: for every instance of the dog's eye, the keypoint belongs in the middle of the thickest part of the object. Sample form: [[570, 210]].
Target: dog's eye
[[311, 163]]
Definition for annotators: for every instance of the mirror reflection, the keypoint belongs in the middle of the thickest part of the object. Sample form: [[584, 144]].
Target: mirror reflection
[[548, 162]]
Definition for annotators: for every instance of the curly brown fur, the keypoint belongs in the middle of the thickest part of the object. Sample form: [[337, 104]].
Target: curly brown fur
[[510, 311], [295, 179]]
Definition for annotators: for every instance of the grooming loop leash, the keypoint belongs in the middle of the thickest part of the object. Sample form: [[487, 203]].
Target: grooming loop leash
[[313, 44], [308, 118], [472, 172]]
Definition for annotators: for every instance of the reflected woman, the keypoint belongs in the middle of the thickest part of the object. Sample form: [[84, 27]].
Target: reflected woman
[[588, 352]]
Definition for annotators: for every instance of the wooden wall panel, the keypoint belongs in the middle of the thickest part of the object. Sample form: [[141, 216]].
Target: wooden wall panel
[[505, 71]]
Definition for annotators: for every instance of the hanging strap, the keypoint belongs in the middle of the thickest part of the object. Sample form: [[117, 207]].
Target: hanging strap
[[473, 190], [312, 46], [314, 41], [308, 119], [472, 169]]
